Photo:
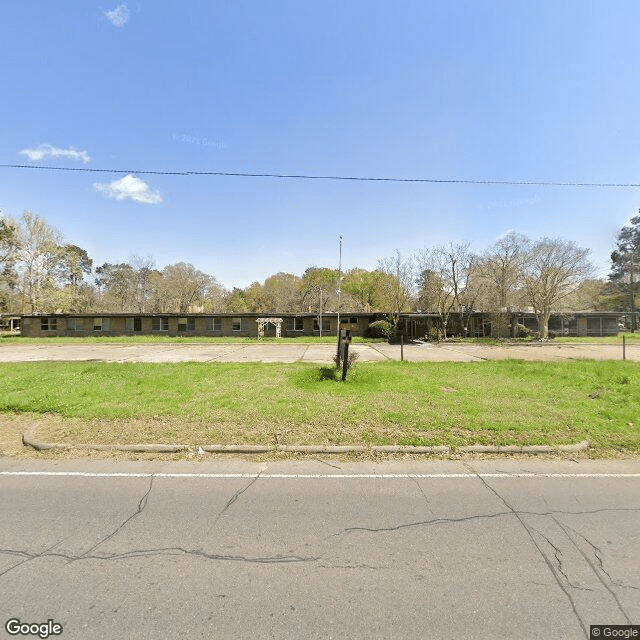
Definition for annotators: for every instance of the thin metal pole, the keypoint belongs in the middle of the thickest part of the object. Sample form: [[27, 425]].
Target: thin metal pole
[[633, 302], [401, 347], [339, 278], [624, 347]]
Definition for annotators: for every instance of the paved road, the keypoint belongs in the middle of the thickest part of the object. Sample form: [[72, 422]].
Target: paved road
[[320, 549], [320, 353]]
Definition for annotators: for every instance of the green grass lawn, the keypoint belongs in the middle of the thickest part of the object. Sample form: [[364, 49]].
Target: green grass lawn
[[507, 402]]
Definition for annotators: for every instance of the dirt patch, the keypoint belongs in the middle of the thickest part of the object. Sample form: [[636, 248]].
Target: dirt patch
[[12, 428]]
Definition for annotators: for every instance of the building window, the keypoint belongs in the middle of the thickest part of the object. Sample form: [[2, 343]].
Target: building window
[[325, 325], [186, 324], [101, 324], [213, 324], [48, 324], [160, 324], [236, 324], [74, 324], [349, 320], [294, 324]]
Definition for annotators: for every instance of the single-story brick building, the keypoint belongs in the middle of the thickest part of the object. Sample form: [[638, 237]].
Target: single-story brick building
[[191, 324], [411, 325]]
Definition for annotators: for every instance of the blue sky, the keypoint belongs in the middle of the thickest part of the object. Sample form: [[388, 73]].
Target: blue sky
[[463, 89]]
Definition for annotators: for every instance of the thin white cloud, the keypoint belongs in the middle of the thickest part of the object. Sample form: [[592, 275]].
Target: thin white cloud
[[129, 188], [119, 16], [49, 151]]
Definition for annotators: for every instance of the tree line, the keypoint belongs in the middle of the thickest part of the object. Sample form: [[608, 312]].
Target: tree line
[[40, 272]]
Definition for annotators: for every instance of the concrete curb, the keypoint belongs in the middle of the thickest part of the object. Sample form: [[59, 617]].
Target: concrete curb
[[29, 439], [564, 448]]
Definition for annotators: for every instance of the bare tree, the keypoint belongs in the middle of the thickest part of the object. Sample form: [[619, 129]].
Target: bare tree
[[143, 268], [397, 288], [502, 267], [37, 257], [553, 269], [446, 281]]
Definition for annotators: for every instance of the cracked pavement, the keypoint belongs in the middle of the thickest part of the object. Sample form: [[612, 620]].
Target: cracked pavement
[[290, 550], [309, 352]]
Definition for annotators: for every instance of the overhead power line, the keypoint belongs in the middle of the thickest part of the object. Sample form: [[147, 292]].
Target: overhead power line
[[296, 176]]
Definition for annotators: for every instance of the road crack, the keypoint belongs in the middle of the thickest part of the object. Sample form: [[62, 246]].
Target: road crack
[[231, 500], [538, 548], [27, 557], [141, 505], [592, 567], [557, 552], [161, 551]]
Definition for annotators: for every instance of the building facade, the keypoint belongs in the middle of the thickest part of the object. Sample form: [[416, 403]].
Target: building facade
[[192, 324], [411, 325]]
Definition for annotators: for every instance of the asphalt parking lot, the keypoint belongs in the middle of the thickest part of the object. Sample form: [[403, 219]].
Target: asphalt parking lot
[[317, 353]]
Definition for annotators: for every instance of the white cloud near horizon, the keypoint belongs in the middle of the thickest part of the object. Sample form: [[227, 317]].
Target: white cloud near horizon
[[119, 16], [129, 188], [49, 151]]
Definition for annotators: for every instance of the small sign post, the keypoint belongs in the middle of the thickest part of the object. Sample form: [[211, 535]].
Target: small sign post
[[345, 341]]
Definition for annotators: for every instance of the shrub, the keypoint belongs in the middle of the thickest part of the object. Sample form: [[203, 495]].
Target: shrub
[[379, 329], [524, 332], [351, 360]]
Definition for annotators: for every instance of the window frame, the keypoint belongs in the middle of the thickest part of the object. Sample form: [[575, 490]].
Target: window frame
[[295, 324], [48, 324], [189, 324], [162, 323], [213, 324]]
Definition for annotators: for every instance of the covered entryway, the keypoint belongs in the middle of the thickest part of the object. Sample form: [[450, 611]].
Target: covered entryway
[[269, 327]]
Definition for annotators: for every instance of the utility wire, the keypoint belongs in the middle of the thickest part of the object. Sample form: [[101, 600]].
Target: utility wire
[[532, 183]]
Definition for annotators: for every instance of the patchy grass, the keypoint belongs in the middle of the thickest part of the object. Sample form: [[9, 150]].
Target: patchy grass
[[629, 338], [617, 339], [507, 402]]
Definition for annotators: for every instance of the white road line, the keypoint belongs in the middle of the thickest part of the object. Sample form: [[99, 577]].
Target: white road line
[[289, 476]]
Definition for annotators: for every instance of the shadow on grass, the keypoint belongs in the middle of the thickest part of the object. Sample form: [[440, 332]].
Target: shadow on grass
[[327, 373]]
